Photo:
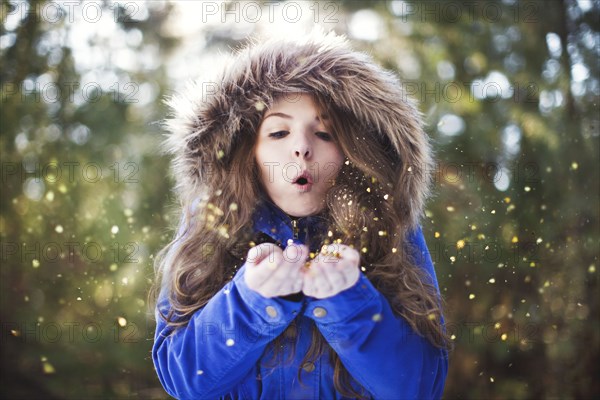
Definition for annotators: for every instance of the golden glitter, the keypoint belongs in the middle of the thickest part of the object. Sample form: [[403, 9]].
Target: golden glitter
[[259, 105], [504, 337], [450, 209], [436, 235], [382, 233], [460, 244], [515, 239], [394, 250], [230, 342], [35, 263], [492, 280], [574, 165], [376, 317], [369, 190], [385, 197], [329, 234], [233, 207], [220, 154], [507, 200], [364, 250], [452, 259], [471, 296], [592, 269], [431, 317]]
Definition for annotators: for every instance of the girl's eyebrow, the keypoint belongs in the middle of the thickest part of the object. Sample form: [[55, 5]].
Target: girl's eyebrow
[[286, 116]]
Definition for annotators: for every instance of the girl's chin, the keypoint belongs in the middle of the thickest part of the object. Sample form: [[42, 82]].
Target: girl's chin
[[300, 210]]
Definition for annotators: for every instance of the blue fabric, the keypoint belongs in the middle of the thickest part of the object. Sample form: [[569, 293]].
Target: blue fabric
[[219, 353]]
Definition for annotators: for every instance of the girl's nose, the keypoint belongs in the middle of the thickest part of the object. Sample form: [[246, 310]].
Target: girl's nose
[[302, 148], [303, 152]]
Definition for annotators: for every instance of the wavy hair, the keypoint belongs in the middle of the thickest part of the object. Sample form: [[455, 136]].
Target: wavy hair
[[362, 211]]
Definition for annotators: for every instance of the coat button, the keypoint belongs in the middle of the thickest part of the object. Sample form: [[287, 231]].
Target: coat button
[[308, 367], [271, 311], [319, 312]]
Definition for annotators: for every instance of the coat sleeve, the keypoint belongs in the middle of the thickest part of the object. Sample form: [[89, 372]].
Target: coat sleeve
[[379, 349], [221, 343]]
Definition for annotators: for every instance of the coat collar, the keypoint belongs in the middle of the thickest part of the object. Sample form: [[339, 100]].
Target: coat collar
[[275, 223]]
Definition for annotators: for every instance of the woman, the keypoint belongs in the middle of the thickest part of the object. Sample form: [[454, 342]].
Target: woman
[[300, 269]]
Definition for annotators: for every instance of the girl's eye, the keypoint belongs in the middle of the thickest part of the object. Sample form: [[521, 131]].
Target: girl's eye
[[278, 134], [324, 135]]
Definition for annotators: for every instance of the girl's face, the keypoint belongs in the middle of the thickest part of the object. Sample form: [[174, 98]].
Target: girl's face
[[297, 155]]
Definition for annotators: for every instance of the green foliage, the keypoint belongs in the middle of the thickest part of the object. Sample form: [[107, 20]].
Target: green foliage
[[509, 91]]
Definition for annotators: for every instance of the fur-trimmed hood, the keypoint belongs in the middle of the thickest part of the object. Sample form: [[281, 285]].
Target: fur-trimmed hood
[[208, 117]]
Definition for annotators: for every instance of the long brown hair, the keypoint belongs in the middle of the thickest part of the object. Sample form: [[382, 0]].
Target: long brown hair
[[364, 213]]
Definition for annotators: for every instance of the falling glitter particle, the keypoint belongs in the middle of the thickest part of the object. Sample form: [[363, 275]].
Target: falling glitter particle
[[114, 230], [59, 229], [48, 368], [492, 280], [376, 317], [471, 296], [436, 235], [504, 337], [592, 269], [491, 379], [230, 342], [515, 239], [122, 322], [574, 165], [460, 244], [450, 209], [35, 263], [199, 372], [78, 298]]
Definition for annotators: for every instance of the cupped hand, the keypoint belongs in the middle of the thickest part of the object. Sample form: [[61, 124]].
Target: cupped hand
[[273, 272], [331, 271]]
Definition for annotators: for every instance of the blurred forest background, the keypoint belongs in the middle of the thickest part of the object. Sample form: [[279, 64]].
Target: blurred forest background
[[510, 94]]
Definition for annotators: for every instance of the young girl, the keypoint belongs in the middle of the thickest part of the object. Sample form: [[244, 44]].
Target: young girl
[[300, 270]]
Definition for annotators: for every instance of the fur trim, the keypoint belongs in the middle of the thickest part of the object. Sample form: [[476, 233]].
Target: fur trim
[[211, 113]]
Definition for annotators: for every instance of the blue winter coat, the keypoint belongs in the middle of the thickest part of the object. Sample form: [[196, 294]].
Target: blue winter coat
[[218, 354]]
